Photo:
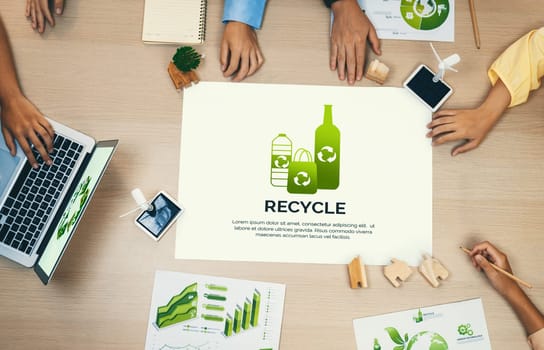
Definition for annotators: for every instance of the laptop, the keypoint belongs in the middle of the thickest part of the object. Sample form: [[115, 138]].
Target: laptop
[[41, 208]]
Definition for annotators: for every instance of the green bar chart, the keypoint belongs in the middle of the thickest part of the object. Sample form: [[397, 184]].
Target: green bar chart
[[245, 317]]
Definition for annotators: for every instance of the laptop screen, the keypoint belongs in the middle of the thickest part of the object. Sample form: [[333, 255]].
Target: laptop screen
[[8, 168], [71, 216]]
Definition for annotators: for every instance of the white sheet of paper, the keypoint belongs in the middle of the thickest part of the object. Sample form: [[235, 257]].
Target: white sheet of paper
[[431, 20], [460, 325], [205, 306], [381, 209]]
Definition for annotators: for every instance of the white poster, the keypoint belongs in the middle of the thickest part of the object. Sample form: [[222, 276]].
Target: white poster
[[199, 312], [313, 174], [459, 325], [430, 20]]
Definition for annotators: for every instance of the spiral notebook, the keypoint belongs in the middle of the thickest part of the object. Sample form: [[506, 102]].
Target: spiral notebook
[[174, 22]]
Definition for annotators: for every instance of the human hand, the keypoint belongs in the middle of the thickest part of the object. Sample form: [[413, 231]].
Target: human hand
[[21, 121], [350, 31], [240, 55], [39, 12], [471, 125], [482, 254]]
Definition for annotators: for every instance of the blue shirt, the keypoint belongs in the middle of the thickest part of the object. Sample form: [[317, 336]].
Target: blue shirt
[[250, 12]]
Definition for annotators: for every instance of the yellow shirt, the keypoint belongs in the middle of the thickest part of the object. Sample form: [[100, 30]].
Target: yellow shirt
[[521, 66], [536, 340]]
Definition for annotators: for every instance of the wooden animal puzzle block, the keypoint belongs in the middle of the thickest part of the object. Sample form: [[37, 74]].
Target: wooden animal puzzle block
[[357, 273], [398, 270], [433, 270], [377, 71]]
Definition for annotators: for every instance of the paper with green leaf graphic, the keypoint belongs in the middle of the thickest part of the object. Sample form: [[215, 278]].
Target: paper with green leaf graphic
[[316, 174], [460, 325], [191, 311], [429, 20]]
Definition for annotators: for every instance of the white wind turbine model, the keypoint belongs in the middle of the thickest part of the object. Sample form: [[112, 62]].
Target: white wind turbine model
[[446, 64]]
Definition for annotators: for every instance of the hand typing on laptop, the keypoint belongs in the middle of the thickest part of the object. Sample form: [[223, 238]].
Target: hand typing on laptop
[[20, 119]]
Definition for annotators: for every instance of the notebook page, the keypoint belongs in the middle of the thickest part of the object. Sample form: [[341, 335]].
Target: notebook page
[[173, 21]]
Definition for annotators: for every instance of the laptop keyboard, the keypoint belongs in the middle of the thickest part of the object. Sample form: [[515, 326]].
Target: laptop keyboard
[[35, 194]]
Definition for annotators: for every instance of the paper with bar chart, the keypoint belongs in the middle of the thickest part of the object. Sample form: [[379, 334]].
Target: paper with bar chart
[[309, 174], [199, 312]]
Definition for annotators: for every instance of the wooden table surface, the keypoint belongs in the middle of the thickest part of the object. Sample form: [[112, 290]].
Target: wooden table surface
[[93, 72]]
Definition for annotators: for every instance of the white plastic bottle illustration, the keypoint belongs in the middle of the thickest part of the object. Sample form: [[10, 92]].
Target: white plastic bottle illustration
[[282, 149]]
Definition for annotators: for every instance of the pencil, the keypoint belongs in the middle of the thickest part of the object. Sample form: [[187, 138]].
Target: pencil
[[504, 272], [475, 29]]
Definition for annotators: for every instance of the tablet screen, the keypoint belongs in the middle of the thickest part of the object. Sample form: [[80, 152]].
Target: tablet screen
[[422, 84], [157, 220]]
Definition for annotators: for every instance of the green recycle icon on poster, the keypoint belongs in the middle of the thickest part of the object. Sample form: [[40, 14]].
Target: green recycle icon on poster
[[326, 154], [299, 172], [302, 178]]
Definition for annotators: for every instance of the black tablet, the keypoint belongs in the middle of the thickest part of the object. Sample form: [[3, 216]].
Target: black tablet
[[432, 94]]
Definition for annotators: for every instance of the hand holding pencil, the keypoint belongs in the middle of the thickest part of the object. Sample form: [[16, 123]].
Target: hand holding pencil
[[494, 263]]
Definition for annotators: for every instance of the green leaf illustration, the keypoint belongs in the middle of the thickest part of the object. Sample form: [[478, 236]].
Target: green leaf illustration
[[399, 347], [406, 337], [395, 336]]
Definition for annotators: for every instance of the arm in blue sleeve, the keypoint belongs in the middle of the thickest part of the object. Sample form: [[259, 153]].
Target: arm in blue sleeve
[[250, 12], [328, 3]]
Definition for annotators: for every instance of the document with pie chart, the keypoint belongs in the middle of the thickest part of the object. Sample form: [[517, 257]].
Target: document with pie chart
[[430, 20]]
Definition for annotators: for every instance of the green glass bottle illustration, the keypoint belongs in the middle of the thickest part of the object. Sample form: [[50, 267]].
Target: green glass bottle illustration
[[327, 152], [282, 149], [419, 317], [377, 345]]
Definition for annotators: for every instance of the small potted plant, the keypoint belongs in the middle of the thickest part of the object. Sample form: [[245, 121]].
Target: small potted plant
[[182, 67]]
